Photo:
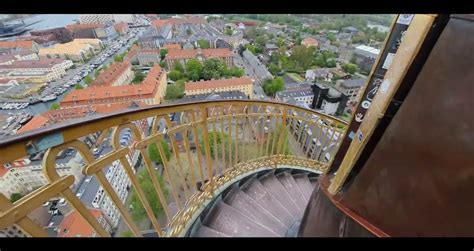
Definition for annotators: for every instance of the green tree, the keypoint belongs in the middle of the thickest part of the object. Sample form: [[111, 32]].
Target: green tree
[[331, 37], [15, 197], [221, 139], [118, 58], [228, 32], [237, 72], [54, 106], [139, 76], [302, 56], [213, 68], [274, 69], [280, 42], [163, 53], [175, 75], [173, 92], [178, 67], [96, 73], [261, 40], [163, 64], [331, 63], [155, 155], [272, 86], [127, 233], [194, 69], [88, 80], [138, 211], [349, 68], [78, 87], [189, 32], [203, 44]]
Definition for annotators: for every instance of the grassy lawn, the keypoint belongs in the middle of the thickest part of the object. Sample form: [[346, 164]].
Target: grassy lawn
[[295, 77]]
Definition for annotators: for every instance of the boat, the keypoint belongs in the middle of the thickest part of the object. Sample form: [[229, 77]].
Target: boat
[[48, 98]]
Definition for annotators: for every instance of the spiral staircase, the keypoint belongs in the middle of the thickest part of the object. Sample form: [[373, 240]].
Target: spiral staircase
[[266, 204]]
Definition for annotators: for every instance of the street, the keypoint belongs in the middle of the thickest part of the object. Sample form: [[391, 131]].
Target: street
[[257, 88]]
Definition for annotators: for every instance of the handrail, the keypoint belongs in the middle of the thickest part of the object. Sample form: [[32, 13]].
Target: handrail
[[211, 143]]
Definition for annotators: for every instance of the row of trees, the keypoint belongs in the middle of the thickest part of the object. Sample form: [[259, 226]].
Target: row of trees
[[212, 68]]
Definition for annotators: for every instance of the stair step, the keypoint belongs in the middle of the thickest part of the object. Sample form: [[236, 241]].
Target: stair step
[[209, 232], [271, 183], [230, 221], [290, 185], [303, 183], [249, 207], [258, 192]]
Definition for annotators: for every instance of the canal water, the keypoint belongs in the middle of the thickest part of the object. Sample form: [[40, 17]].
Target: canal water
[[49, 21]]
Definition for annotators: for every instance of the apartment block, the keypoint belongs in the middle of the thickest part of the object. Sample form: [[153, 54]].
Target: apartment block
[[43, 70], [243, 84], [119, 73]]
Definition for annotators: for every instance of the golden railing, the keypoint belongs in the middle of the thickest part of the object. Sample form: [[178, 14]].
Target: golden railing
[[212, 143]]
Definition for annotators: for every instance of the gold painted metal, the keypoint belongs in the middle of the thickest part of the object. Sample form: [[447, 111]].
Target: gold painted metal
[[207, 149], [26, 224], [49, 165], [198, 148], [412, 41]]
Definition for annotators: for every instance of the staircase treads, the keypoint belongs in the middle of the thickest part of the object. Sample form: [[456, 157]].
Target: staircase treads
[[230, 221], [258, 192], [209, 232], [270, 182], [249, 207], [303, 183], [290, 185]]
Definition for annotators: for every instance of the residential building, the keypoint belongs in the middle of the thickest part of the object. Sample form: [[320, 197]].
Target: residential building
[[350, 29], [148, 56], [345, 54], [61, 34], [119, 73], [39, 216], [163, 28], [309, 41], [77, 50], [351, 87], [329, 100], [243, 84], [9, 46], [328, 47], [24, 175], [43, 70], [9, 58], [270, 48], [106, 33], [302, 96], [172, 47], [149, 42], [96, 18], [184, 55], [83, 30], [365, 57], [319, 74], [121, 28], [125, 18], [66, 113], [151, 91], [132, 54], [74, 225]]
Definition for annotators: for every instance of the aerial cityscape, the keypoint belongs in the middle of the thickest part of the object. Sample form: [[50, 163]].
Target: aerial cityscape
[[63, 69]]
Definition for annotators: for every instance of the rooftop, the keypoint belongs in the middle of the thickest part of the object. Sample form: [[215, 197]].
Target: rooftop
[[17, 44], [351, 83], [112, 73], [212, 84], [74, 225]]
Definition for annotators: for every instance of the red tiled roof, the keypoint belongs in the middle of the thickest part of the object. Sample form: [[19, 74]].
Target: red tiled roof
[[223, 52], [112, 73], [74, 225], [309, 41], [37, 121], [42, 63], [172, 46], [154, 76], [73, 112], [106, 93], [212, 84], [132, 53], [178, 54], [121, 27], [74, 27], [192, 53], [16, 44], [149, 51], [160, 22]]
